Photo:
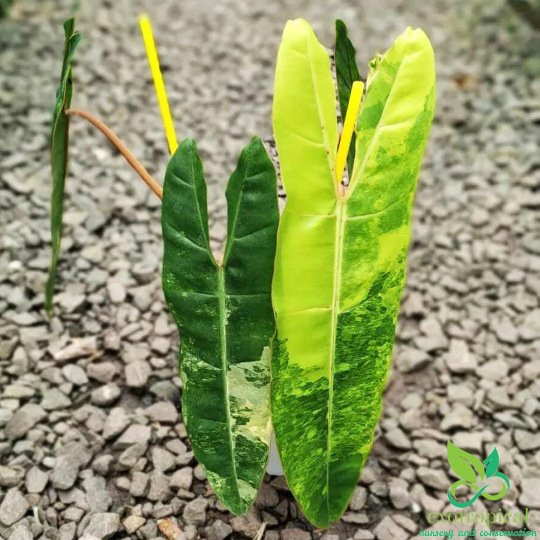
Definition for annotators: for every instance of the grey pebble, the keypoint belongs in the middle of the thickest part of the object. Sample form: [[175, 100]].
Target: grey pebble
[[68, 462], [139, 484], [133, 523], [116, 422], [397, 438], [195, 511], [409, 360], [295, 533], [103, 372], [432, 478], [103, 464], [21, 532], [54, 399], [24, 420], [526, 440], [530, 493], [13, 507], [459, 359], [159, 488], [98, 497], [5, 416], [76, 349], [130, 456], [247, 525], [106, 395], [182, 479], [137, 373], [162, 411], [219, 530], [36, 480], [162, 459], [10, 476], [358, 499], [75, 374], [102, 525], [134, 434], [67, 531], [388, 529]]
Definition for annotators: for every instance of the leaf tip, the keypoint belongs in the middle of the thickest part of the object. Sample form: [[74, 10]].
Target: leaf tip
[[340, 25]]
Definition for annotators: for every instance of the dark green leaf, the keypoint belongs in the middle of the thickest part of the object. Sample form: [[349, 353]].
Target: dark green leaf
[[59, 153], [224, 315], [346, 73]]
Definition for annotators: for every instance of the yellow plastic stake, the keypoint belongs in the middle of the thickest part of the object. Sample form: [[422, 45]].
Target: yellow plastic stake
[[348, 128], [153, 60]]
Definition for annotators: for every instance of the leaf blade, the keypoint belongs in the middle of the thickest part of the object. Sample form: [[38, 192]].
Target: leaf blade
[[59, 154], [304, 118], [346, 74], [225, 318], [337, 289], [394, 101]]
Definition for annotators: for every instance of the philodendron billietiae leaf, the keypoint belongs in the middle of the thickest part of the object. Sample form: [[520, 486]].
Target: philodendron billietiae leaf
[[340, 261], [224, 315], [59, 152]]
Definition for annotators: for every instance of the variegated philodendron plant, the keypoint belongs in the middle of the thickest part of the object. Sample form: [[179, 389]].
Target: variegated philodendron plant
[[339, 268]]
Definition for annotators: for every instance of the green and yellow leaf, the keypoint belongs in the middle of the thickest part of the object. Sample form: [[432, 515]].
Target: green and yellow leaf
[[340, 261], [59, 153], [224, 315]]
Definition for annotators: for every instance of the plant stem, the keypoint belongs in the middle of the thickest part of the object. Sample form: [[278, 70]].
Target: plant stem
[[121, 147]]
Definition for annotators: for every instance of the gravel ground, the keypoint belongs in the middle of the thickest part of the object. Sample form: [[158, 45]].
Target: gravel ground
[[91, 439]]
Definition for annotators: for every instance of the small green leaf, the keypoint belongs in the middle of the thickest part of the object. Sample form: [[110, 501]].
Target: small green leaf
[[373, 67], [492, 463], [464, 464], [346, 73], [59, 153]]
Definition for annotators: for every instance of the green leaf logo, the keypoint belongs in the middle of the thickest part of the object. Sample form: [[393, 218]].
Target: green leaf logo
[[465, 464], [492, 463], [472, 471]]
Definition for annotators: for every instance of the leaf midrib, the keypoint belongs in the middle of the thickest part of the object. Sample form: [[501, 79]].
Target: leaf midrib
[[225, 364], [338, 259], [223, 320], [221, 293]]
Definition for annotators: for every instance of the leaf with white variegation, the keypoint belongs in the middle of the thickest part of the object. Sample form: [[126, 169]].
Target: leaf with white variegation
[[224, 316]]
